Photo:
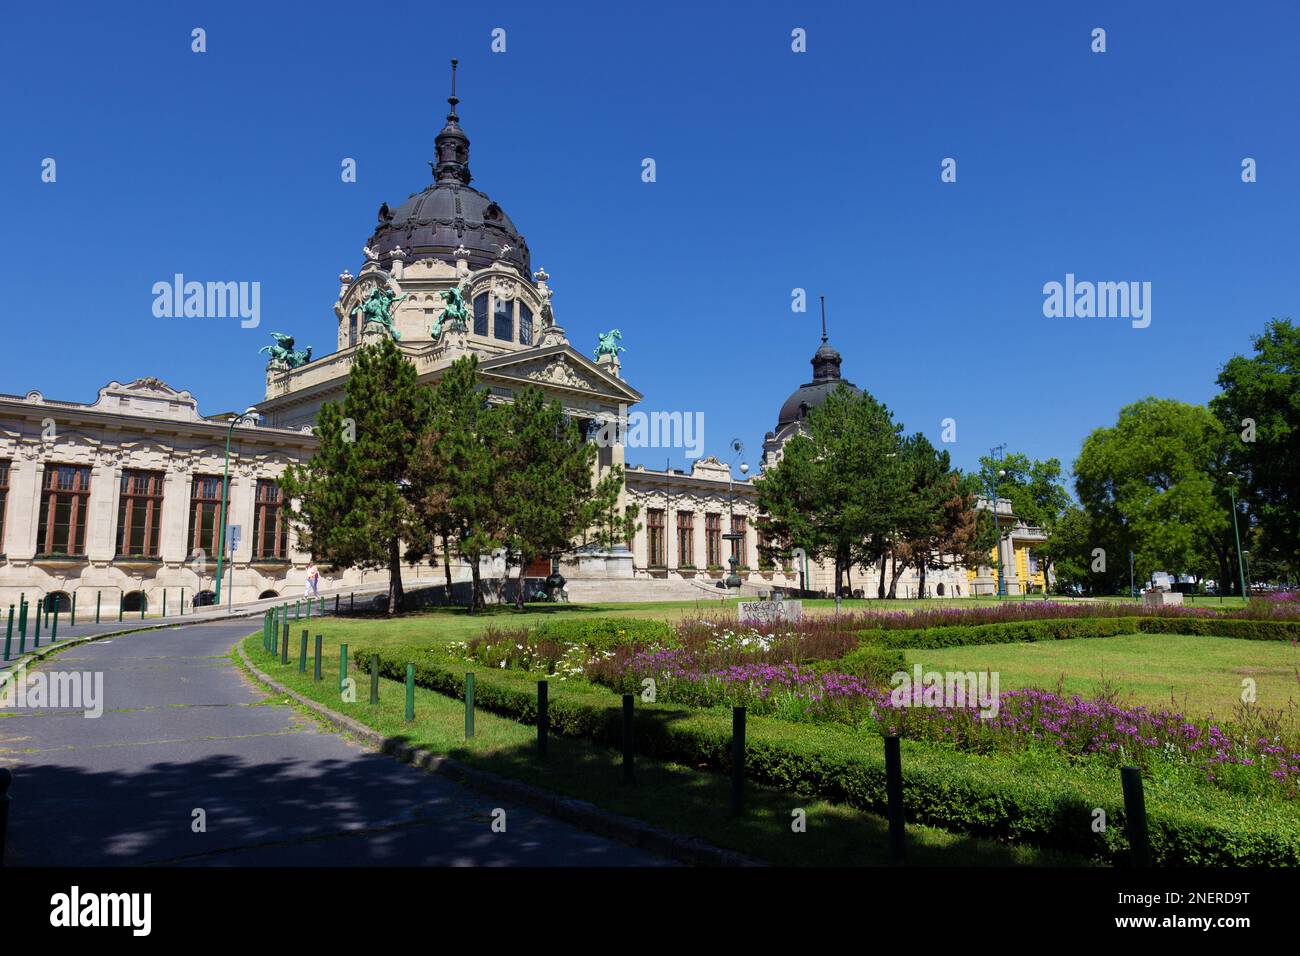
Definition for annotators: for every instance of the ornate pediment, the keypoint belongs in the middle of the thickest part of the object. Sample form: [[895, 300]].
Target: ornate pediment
[[558, 368], [148, 397]]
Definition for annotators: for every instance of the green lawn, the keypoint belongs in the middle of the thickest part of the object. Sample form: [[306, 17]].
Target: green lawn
[[681, 799], [1197, 675]]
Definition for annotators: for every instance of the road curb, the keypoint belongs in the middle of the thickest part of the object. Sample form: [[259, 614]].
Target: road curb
[[580, 813]]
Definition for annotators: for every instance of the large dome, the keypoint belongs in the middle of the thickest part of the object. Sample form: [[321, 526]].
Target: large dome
[[450, 213], [826, 378]]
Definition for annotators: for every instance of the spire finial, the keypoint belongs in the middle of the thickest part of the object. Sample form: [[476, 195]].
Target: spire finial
[[452, 99], [823, 298]]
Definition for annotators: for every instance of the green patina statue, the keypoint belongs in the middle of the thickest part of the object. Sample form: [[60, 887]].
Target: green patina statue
[[378, 308], [454, 312], [609, 344], [283, 351]]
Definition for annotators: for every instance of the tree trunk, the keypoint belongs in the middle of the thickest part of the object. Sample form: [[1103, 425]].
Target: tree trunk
[[895, 573], [524, 561], [880, 588], [446, 566], [477, 589], [921, 567], [395, 592]]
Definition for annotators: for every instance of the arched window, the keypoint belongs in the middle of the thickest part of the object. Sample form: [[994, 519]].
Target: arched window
[[267, 594], [135, 601], [940, 589], [525, 325], [481, 314], [503, 320], [58, 601], [204, 599]]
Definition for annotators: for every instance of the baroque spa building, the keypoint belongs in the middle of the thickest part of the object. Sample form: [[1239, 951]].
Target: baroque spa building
[[119, 498]]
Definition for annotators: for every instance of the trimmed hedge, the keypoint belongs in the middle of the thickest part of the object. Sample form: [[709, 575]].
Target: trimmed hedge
[[1246, 629], [1026, 797], [602, 633], [1063, 629]]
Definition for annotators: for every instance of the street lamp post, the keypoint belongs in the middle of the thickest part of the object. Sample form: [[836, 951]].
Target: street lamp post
[[996, 455], [1241, 567], [225, 494], [733, 579]]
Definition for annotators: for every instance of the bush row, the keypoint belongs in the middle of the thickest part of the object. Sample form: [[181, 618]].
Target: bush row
[[1019, 632], [1029, 798], [602, 633]]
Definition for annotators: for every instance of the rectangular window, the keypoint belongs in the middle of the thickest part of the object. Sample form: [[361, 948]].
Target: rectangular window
[[65, 498], [656, 535], [4, 500], [764, 549], [205, 515], [738, 546], [713, 539], [686, 539], [503, 319], [139, 514], [481, 314], [270, 530], [525, 325]]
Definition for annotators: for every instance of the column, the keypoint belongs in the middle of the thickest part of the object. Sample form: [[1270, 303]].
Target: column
[[25, 477], [101, 521], [175, 516], [670, 533]]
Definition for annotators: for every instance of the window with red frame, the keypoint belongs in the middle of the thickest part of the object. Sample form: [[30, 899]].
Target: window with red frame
[[139, 514], [65, 499], [270, 529]]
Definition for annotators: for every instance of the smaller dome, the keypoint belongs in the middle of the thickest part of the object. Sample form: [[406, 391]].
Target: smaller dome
[[826, 378]]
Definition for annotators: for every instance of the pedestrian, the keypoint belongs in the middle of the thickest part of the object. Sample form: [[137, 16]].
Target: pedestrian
[[313, 581]]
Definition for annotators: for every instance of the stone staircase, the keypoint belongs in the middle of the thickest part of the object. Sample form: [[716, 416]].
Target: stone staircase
[[589, 591]]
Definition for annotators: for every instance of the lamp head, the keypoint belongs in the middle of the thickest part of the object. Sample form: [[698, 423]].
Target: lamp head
[[744, 468]]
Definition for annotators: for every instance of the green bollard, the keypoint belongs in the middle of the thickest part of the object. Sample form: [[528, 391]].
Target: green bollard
[[36, 635], [286, 630], [164, 608], [54, 631], [22, 621], [469, 704], [374, 678], [121, 603], [284, 650], [302, 655], [9, 631], [98, 595], [629, 748], [343, 665], [143, 601], [275, 643], [72, 619], [543, 717], [295, 610], [336, 605], [322, 604], [316, 666], [47, 610], [410, 692]]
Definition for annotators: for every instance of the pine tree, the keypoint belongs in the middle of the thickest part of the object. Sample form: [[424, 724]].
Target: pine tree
[[349, 506]]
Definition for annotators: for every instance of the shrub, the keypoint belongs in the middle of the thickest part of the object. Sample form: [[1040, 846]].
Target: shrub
[[603, 633], [1064, 629]]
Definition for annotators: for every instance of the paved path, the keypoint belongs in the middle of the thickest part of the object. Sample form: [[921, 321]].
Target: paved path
[[184, 729]]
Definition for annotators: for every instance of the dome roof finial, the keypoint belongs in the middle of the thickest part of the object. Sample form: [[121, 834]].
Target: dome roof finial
[[823, 298], [451, 144]]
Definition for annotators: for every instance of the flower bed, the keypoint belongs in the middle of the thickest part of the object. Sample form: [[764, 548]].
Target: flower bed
[[1026, 796]]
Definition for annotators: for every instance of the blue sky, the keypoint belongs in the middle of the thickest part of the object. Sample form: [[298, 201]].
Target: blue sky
[[775, 170]]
